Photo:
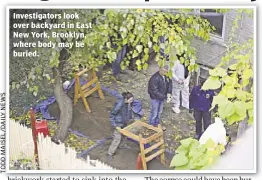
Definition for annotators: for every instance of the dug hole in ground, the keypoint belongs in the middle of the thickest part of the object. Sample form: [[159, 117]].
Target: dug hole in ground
[[96, 124]]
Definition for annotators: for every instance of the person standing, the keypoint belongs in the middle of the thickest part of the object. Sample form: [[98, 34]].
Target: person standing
[[116, 69], [200, 102], [159, 89], [181, 78], [119, 118]]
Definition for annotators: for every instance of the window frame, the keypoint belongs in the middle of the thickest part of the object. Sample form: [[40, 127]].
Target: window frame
[[199, 72], [215, 37]]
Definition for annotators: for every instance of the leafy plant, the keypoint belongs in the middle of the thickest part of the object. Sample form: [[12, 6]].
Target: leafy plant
[[139, 29], [234, 76], [190, 155], [235, 100], [22, 162]]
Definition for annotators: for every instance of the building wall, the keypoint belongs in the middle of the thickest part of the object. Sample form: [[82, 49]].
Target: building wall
[[210, 53]]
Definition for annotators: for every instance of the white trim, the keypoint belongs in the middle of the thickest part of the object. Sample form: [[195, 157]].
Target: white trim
[[220, 39], [198, 75], [204, 67]]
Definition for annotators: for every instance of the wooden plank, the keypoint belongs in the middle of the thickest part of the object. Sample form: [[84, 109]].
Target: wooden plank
[[86, 105], [87, 93], [82, 72], [76, 89], [100, 92], [133, 125], [148, 126], [94, 73], [162, 156], [153, 137], [128, 134], [84, 87], [149, 158], [160, 127], [90, 91], [85, 101], [154, 146], [142, 153]]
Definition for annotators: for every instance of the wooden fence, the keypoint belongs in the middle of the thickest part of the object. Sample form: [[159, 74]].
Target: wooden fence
[[51, 156], [21, 145]]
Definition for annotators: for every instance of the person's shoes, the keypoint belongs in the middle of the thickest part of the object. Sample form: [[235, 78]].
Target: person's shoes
[[176, 110]]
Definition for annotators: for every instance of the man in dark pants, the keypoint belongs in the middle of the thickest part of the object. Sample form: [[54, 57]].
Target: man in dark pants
[[159, 89], [201, 101], [120, 116], [116, 64]]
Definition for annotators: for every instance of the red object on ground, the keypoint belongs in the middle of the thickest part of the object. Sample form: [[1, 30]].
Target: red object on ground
[[38, 126], [139, 165], [41, 127]]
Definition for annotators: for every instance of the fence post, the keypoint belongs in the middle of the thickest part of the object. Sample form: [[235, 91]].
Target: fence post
[[34, 134]]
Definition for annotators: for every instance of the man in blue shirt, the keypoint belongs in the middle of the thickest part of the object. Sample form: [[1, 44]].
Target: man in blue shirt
[[201, 101]]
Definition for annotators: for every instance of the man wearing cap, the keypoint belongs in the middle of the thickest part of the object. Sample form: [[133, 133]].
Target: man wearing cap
[[159, 89]]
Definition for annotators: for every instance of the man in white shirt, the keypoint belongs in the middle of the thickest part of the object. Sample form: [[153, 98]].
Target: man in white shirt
[[180, 81]]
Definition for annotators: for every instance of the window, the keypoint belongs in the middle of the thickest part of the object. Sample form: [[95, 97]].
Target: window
[[216, 19], [204, 72]]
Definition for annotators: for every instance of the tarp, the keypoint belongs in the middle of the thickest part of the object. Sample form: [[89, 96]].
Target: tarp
[[43, 106]]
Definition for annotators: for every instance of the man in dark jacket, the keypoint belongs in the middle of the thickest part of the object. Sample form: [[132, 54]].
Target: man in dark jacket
[[201, 101], [159, 88], [119, 117]]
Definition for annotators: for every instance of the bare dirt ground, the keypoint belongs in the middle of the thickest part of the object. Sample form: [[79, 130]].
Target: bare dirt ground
[[96, 124]]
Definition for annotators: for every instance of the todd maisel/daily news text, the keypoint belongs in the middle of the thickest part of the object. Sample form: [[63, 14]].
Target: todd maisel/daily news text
[[2, 133]]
